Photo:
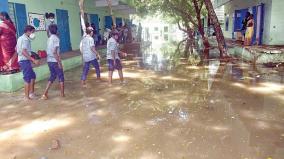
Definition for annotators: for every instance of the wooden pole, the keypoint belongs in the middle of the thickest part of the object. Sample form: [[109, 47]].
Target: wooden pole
[[111, 12], [83, 24]]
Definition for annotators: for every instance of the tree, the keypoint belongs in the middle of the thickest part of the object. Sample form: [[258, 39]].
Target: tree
[[217, 28]]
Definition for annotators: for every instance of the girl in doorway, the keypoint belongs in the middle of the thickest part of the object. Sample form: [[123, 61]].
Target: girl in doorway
[[249, 31]]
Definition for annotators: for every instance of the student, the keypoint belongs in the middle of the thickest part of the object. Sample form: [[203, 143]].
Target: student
[[25, 60], [249, 31], [90, 55], [113, 57], [54, 61], [50, 20]]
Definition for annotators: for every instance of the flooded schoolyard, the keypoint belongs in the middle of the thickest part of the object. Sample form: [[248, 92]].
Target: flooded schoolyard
[[212, 111]]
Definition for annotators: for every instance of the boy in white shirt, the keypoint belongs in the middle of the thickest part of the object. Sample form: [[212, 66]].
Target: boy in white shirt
[[25, 60], [54, 61], [113, 58], [90, 55]]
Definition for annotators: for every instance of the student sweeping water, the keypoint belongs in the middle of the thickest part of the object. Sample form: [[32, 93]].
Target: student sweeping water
[[90, 55], [54, 62], [113, 58], [24, 51]]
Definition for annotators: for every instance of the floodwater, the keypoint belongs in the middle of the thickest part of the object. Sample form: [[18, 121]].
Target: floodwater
[[215, 111]]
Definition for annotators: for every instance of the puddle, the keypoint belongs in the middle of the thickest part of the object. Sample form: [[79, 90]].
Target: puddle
[[216, 110]]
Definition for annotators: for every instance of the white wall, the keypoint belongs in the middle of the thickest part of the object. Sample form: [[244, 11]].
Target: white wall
[[277, 23]]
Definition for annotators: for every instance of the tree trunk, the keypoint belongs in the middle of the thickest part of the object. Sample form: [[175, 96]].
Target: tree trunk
[[187, 47], [217, 28], [191, 39], [199, 23]]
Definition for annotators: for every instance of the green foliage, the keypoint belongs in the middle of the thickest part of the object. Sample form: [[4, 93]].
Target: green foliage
[[172, 10]]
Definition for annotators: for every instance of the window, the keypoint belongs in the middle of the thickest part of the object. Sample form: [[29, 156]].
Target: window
[[166, 29], [156, 29], [166, 37], [156, 37]]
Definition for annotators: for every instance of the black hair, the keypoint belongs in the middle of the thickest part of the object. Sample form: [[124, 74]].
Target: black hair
[[248, 14], [6, 16], [87, 24], [53, 28], [49, 15], [29, 28], [89, 31], [113, 33]]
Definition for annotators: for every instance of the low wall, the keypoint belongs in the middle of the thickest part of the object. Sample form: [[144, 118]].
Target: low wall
[[14, 82]]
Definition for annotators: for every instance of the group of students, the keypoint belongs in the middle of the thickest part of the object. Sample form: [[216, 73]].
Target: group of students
[[89, 55]]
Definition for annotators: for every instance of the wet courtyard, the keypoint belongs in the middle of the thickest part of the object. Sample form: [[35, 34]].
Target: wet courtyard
[[213, 111]]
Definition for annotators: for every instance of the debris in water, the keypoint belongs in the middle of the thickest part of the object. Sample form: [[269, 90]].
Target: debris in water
[[183, 115], [156, 120], [55, 145]]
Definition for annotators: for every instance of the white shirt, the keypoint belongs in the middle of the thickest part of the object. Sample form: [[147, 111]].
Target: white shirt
[[112, 45], [52, 42], [47, 24], [23, 43], [86, 48]]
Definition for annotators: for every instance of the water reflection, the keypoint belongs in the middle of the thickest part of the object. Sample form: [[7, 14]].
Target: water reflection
[[216, 110]]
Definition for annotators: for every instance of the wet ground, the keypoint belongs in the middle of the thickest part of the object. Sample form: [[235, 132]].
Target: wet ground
[[215, 111]]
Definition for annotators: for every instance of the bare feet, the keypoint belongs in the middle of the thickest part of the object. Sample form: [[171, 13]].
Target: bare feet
[[44, 97]]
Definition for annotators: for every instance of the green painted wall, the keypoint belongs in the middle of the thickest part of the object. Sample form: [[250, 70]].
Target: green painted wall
[[43, 6]]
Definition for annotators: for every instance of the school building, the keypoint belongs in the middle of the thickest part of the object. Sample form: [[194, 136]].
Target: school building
[[269, 23], [67, 17]]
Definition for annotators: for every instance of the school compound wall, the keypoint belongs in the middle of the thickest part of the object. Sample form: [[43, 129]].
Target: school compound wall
[[43, 6]]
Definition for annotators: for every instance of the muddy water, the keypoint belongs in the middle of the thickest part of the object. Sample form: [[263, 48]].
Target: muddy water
[[215, 111]]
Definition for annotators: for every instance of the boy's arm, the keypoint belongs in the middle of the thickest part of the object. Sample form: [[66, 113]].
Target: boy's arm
[[113, 55], [56, 55], [26, 54], [93, 48]]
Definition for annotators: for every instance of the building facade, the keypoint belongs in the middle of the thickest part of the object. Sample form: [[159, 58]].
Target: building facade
[[269, 24], [67, 17]]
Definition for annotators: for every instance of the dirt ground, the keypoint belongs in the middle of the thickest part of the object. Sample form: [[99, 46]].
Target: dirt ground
[[216, 111]]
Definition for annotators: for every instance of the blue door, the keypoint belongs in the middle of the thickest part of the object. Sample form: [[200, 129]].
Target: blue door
[[21, 18], [258, 12], [63, 29], [239, 17], [94, 18], [3, 5], [108, 22], [118, 21]]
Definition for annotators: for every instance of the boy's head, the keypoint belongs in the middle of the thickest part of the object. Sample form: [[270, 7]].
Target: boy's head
[[90, 31], [29, 31], [114, 35], [53, 29]]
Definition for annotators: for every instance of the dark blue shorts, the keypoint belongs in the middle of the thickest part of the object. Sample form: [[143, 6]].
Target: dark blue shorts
[[55, 72], [27, 69], [112, 67]]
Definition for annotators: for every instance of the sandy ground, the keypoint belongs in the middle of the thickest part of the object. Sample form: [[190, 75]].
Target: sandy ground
[[218, 111]]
